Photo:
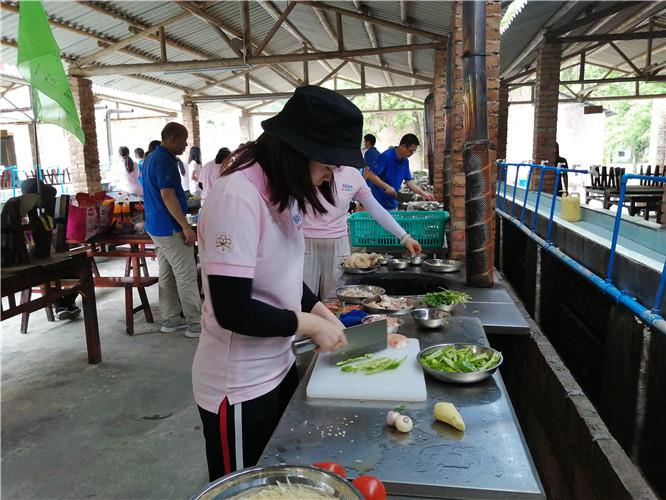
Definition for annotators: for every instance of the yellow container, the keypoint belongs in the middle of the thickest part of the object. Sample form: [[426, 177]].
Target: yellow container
[[570, 207]]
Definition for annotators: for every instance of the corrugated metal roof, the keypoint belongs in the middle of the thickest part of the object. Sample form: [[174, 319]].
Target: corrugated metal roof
[[113, 20]]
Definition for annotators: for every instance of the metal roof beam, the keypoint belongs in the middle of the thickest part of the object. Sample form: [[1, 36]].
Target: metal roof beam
[[275, 27], [329, 30], [602, 14], [286, 95], [608, 37], [128, 69], [393, 70], [335, 70], [372, 36], [621, 79], [212, 22], [379, 22], [131, 39], [410, 37]]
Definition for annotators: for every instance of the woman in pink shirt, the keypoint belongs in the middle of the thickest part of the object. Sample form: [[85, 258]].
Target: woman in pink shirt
[[326, 237], [251, 249], [210, 172]]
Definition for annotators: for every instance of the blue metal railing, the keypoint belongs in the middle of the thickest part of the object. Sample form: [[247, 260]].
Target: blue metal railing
[[649, 316]]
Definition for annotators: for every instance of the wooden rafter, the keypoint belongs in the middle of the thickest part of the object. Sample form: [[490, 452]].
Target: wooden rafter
[[333, 36], [332, 73], [247, 27], [128, 69], [626, 59], [212, 22], [372, 36]]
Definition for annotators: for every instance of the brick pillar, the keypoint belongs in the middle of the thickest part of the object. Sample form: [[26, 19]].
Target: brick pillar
[[84, 158], [493, 18], [457, 204], [190, 113], [546, 98], [502, 120], [439, 122]]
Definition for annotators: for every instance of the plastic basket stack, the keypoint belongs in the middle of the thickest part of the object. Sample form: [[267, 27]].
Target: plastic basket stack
[[426, 227]]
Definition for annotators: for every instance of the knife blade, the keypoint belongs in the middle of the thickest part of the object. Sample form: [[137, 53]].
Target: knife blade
[[361, 339]]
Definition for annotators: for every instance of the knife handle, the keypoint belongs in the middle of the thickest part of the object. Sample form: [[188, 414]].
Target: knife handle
[[302, 346]]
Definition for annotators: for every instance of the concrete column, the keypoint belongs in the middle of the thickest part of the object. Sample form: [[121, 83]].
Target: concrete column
[[457, 203], [245, 122], [190, 113], [545, 111], [84, 158], [439, 123], [502, 120]]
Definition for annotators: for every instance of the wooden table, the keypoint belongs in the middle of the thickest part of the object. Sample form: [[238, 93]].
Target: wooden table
[[636, 198], [49, 272], [140, 247]]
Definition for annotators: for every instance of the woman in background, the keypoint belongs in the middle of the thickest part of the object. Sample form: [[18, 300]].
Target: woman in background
[[128, 173], [210, 172], [194, 167]]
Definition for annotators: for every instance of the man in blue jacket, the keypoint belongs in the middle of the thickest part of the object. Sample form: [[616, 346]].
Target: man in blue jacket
[[371, 153], [165, 209], [391, 169]]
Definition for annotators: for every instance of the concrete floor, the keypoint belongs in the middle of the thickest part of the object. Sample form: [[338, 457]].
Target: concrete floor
[[125, 428]]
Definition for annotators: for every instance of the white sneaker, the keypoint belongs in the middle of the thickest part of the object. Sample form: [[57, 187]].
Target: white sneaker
[[171, 326], [193, 331]]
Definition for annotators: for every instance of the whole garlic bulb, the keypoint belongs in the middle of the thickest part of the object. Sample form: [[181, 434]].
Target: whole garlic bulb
[[391, 417], [403, 423]]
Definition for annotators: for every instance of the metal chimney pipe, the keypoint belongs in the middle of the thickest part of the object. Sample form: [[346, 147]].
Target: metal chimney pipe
[[478, 192]]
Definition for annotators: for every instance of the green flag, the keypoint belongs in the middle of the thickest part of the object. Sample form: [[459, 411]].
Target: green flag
[[39, 62]]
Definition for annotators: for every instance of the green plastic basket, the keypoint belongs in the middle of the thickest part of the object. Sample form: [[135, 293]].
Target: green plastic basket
[[425, 227]]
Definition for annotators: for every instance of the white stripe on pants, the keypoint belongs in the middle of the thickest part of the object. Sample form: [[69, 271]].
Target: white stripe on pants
[[322, 270], [178, 279]]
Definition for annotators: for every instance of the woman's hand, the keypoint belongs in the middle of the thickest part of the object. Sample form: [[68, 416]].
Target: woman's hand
[[323, 312], [326, 334], [413, 246]]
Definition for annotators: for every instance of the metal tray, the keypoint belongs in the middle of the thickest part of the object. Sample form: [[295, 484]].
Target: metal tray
[[370, 306], [374, 290], [460, 378], [442, 266]]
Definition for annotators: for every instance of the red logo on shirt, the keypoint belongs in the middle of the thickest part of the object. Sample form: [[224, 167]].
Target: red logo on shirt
[[223, 242]]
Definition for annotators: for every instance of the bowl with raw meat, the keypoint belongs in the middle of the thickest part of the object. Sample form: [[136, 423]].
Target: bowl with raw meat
[[393, 324], [386, 304], [356, 294]]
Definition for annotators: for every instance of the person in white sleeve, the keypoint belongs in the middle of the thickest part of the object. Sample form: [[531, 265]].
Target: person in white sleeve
[[326, 235]]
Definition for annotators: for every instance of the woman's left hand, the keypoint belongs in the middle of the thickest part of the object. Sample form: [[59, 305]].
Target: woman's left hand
[[413, 246]]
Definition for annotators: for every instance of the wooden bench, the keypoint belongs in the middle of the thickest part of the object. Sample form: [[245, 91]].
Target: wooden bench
[[128, 283]]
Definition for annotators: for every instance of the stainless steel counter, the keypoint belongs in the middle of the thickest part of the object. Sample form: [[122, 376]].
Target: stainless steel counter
[[493, 306], [489, 460]]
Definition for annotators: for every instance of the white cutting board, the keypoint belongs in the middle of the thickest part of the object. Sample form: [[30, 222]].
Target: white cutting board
[[406, 383]]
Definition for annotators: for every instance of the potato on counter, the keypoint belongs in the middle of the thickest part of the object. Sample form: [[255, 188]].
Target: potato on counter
[[447, 413]]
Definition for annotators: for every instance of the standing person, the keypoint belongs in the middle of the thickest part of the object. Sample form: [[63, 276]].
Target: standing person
[[140, 156], [210, 172], [194, 166], [564, 177], [127, 173], [184, 175], [165, 209], [391, 169], [371, 153], [326, 236], [251, 246], [151, 147]]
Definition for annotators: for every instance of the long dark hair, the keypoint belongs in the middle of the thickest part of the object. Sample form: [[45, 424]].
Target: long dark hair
[[195, 154], [123, 151], [181, 166], [287, 170], [151, 147]]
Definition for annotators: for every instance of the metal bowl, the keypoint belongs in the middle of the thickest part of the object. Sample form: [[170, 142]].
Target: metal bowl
[[397, 264], [415, 260], [244, 480], [460, 378], [442, 265], [370, 305], [371, 291], [389, 329], [383, 260], [429, 317], [359, 270]]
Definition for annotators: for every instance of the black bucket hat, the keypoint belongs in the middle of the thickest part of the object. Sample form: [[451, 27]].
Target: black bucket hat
[[322, 125]]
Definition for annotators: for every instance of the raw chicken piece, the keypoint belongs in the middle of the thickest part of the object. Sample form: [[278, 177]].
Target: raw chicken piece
[[397, 341]]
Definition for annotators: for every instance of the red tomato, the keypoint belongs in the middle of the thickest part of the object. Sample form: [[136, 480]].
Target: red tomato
[[331, 467], [370, 487]]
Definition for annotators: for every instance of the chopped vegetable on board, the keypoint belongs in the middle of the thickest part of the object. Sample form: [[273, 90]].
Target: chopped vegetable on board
[[463, 360], [372, 366]]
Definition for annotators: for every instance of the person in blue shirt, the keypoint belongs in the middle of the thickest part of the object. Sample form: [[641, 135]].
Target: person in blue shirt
[[371, 153], [165, 207], [390, 170]]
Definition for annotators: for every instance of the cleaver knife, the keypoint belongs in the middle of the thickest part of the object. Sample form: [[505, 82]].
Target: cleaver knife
[[361, 339]]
